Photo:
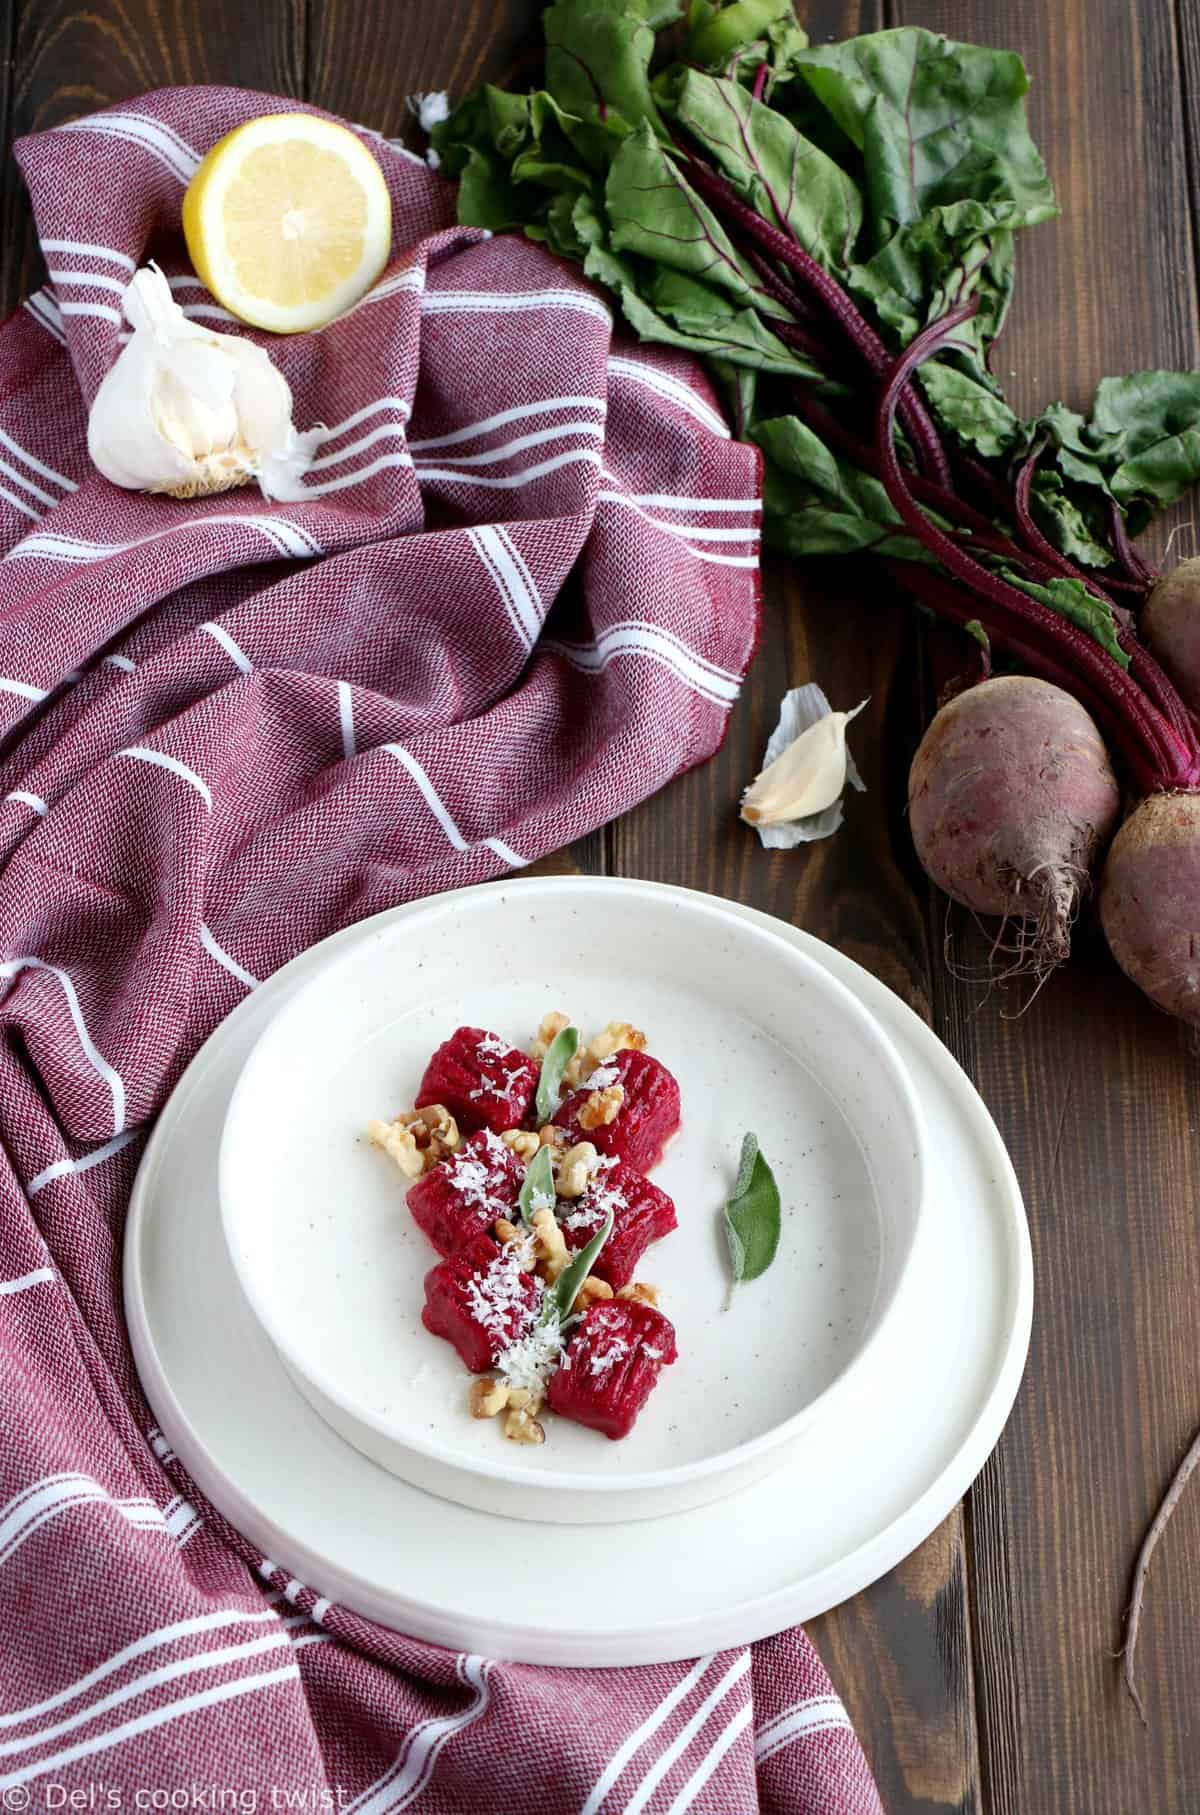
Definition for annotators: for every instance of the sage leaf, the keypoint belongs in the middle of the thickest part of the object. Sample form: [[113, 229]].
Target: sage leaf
[[559, 1053], [752, 1215], [563, 1292], [537, 1190]]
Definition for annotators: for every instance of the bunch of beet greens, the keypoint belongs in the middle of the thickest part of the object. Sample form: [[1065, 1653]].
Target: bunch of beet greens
[[831, 230]]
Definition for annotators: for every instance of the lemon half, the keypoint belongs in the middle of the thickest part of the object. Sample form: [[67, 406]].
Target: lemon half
[[288, 221]]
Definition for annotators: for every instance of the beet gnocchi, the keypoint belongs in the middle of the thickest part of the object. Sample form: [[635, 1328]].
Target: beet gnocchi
[[528, 1178]]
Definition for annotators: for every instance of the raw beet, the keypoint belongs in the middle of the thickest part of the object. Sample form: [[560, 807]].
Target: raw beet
[[462, 1196], [641, 1214], [1148, 895], [483, 1082], [481, 1302], [647, 1118], [1011, 801], [1170, 627], [611, 1365]]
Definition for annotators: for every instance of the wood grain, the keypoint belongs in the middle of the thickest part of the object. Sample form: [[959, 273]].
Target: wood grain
[[1095, 1094], [979, 1674], [65, 60]]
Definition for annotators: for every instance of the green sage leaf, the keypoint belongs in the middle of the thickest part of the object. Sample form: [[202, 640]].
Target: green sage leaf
[[559, 1053], [563, 1292], [537, 1190], [752, 1215]]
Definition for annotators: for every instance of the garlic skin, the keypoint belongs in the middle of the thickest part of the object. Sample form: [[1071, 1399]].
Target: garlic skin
[[797, 796], [188, 412]]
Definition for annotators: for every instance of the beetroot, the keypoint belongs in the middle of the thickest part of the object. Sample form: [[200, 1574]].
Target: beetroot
[[482, 1080], [641, 1214], [647, 1118], [462, 1196], [1148, 901], [1170, 627], [481, 1302], [611, 1365], [1011, 802]]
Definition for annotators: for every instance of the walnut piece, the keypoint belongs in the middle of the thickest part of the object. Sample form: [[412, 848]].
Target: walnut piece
[[641, 1294], [575, 1168], [550, 1245], [509, 1234], [418, 1139], [618, 1036], [487, 1398], [602, 1107], [523, 1144], [551, 1135], [551, 1026], [520, 1426], [397, 1140], [590, 1291]]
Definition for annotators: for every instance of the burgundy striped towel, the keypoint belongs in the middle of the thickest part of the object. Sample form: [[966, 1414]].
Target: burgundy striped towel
[[232, 727]]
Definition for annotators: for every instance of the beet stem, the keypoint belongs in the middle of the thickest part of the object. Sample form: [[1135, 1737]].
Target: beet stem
[[1157, 753], [782, 246], [1139, 570]]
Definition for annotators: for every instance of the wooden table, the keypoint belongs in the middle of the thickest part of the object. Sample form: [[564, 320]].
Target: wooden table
[[980, 1674]]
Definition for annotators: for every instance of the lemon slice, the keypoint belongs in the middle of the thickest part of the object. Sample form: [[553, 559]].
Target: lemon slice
[[288, 221]]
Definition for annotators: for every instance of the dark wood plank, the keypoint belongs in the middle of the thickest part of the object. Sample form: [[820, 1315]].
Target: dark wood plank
[[1095, 1094], [366, 61], [900, 1654], [64, 60]]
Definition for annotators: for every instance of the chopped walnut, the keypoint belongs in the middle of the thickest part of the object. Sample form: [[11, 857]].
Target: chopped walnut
[[523, 1144], [590, 1291], [397, 1140], [550, 1245], [520, 1426], [641, 1294], [576, 1069], [441, 1130], [488, 1397], [575, 1168], [508, 1234], [551, 1026], [551, 1135], [602, 1107], [418, 1139], [618, 1036]]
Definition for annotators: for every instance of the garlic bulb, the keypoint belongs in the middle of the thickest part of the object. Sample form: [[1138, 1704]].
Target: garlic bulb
[[189, 412], [797, 795]]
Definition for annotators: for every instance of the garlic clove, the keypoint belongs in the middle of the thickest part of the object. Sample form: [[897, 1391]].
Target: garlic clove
[[796, 797]]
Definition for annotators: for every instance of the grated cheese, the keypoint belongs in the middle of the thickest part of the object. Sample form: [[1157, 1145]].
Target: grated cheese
[[498, 1302], [530, 1362]]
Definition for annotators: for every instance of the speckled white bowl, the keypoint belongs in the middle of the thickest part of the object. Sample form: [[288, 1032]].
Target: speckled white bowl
[[758, 1036]]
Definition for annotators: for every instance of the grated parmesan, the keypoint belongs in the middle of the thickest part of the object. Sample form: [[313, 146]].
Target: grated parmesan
[[606, 1354], [476, 1182], [498, 1300], [530, 1361]]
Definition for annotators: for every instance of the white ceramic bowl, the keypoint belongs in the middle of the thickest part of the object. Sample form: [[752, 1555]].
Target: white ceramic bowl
[[759, 1037]]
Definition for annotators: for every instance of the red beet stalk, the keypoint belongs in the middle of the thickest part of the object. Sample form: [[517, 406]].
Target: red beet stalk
[[917, 421], [1159, 753]]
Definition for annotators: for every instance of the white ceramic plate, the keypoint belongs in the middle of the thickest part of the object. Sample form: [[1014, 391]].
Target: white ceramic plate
[[861, 1492], [758, 1035]]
